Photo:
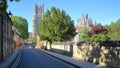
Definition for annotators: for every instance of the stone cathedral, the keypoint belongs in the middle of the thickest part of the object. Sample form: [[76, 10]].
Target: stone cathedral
[[38, 15]]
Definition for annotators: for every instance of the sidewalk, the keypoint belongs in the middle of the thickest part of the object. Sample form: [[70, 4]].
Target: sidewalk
[[78, 63], [10, 60], [7, 63]]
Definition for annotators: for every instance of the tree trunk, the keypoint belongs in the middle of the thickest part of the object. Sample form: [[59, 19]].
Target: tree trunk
[[46, 45], [65, 49], [50, 46]]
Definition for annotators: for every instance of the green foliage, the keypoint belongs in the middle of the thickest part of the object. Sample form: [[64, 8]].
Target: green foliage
[[22, 26], [34, 39], [96, 37], [114, 30], [103, 37], [56, 25], [85, 36], [3, 4]]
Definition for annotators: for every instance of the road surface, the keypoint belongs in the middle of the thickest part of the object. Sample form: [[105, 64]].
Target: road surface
[[30, 58]]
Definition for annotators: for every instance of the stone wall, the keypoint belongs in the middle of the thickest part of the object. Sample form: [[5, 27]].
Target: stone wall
[[103, 55], [6, 37], [40, 43]]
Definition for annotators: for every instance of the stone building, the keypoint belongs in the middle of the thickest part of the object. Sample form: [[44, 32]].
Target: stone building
[[38, 15], [82, 23], [6, 36], [29, 40], [18, 41]]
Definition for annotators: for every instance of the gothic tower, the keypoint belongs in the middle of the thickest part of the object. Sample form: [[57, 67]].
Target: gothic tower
[[38, 15]]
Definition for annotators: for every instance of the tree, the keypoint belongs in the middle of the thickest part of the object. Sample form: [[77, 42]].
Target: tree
[[34, 40], [85, 36], [3, 4], [95, 38], [56, 25], [22, 26], [97, 33], [99, 37], [97, 29], [113, 30]]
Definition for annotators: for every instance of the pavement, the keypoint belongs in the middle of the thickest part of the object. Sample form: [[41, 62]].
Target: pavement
[[7, 63], [11, 59], [75, 62]]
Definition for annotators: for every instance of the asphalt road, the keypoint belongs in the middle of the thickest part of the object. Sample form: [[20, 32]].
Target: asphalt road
[[31, 58]]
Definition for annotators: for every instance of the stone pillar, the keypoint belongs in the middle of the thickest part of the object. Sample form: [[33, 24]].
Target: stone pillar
[[76, 52], [40, 43]]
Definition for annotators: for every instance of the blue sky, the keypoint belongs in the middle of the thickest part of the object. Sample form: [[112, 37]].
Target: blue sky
[[103, 11]]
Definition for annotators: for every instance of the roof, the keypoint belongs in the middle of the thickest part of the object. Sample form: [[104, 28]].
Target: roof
[[5, 14]]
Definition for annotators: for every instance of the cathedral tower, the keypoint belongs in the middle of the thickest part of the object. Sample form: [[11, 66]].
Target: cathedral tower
[[38, 15]]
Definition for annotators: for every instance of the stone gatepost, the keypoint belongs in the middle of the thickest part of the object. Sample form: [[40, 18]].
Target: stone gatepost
[[76, 52]]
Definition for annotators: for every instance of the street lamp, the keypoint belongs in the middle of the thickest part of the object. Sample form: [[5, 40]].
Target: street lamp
[[10, 14]]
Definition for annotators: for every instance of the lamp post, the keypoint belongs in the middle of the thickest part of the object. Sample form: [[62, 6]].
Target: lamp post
[[11, 42], [10, 14]]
